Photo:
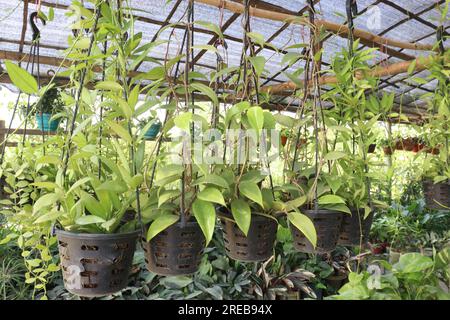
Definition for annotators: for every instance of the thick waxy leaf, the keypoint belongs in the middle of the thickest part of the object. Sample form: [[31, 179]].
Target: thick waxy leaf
[[108, 85], [213, 179], [90, 219], [45, 201], [251, 191], [205, 213], [119, 130], [21, 78], [331, 199], [242, 214], [161, 223], [212, 195], [305, 225]]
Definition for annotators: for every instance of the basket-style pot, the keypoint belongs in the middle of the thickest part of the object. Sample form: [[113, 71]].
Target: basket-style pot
[[256, 246], [153, 131], [176, 250], [437, 196], [355, 229], [96, 264], [45, 124], [327, 224]]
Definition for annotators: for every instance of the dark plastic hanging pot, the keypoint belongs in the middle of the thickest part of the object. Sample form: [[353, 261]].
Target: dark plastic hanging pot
[[176, 250], [256, 246], [45, 124], [96, 264], [327, 224], [437, 196], [355, 229]]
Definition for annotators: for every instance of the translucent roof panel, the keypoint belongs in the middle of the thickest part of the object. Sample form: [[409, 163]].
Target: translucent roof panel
[[409, 21]]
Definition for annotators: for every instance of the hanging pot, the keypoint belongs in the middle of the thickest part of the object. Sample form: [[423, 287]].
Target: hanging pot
[[153, 131], [96, 264], [45, 124], [355, 229], [257, 245], [176, 250], [437, 196], [327, 224], [336, 281], [388, 150], [3, 194], [283, 140]]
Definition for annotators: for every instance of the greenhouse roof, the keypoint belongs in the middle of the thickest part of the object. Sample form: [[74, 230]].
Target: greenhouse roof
[[407, 21]]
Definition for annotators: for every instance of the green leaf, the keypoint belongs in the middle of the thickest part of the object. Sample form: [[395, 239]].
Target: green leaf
[[205, 214], [161, 223], [165, 196], [334, 155], [284, 120], [108, 85], [183, 121], [331, 199], [205, 90], [295, 203], [242, 214], [21, 78], [413, 262], [211, 26], [205, 47], [255, 117], [119, 130], [305, 225], [211, 194], [50, 216], [258, 63], [213, 179], [45, 201], [251, 191], [89, 219]]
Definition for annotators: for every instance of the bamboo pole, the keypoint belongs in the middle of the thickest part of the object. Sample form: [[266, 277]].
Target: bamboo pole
[[338, 29], [421, 63]]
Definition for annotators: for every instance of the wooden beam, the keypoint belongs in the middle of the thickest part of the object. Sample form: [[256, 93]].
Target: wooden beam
[[338, 29], [378, 72]]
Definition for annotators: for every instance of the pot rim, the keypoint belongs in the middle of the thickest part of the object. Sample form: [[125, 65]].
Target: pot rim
[[102, 236], [324, 211]]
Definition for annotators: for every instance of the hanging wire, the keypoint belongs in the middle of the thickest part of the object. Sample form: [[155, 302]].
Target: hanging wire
[[31, 60], [65, 154], [166, 117]]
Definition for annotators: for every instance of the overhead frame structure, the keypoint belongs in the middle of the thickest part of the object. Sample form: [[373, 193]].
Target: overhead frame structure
[[407, 31]]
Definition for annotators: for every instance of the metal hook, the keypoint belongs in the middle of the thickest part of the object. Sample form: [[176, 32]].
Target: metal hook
[[36, 31], [440, 39]]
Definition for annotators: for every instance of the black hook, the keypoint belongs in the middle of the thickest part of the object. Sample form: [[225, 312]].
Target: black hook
[[36, 31], [440, 39]]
